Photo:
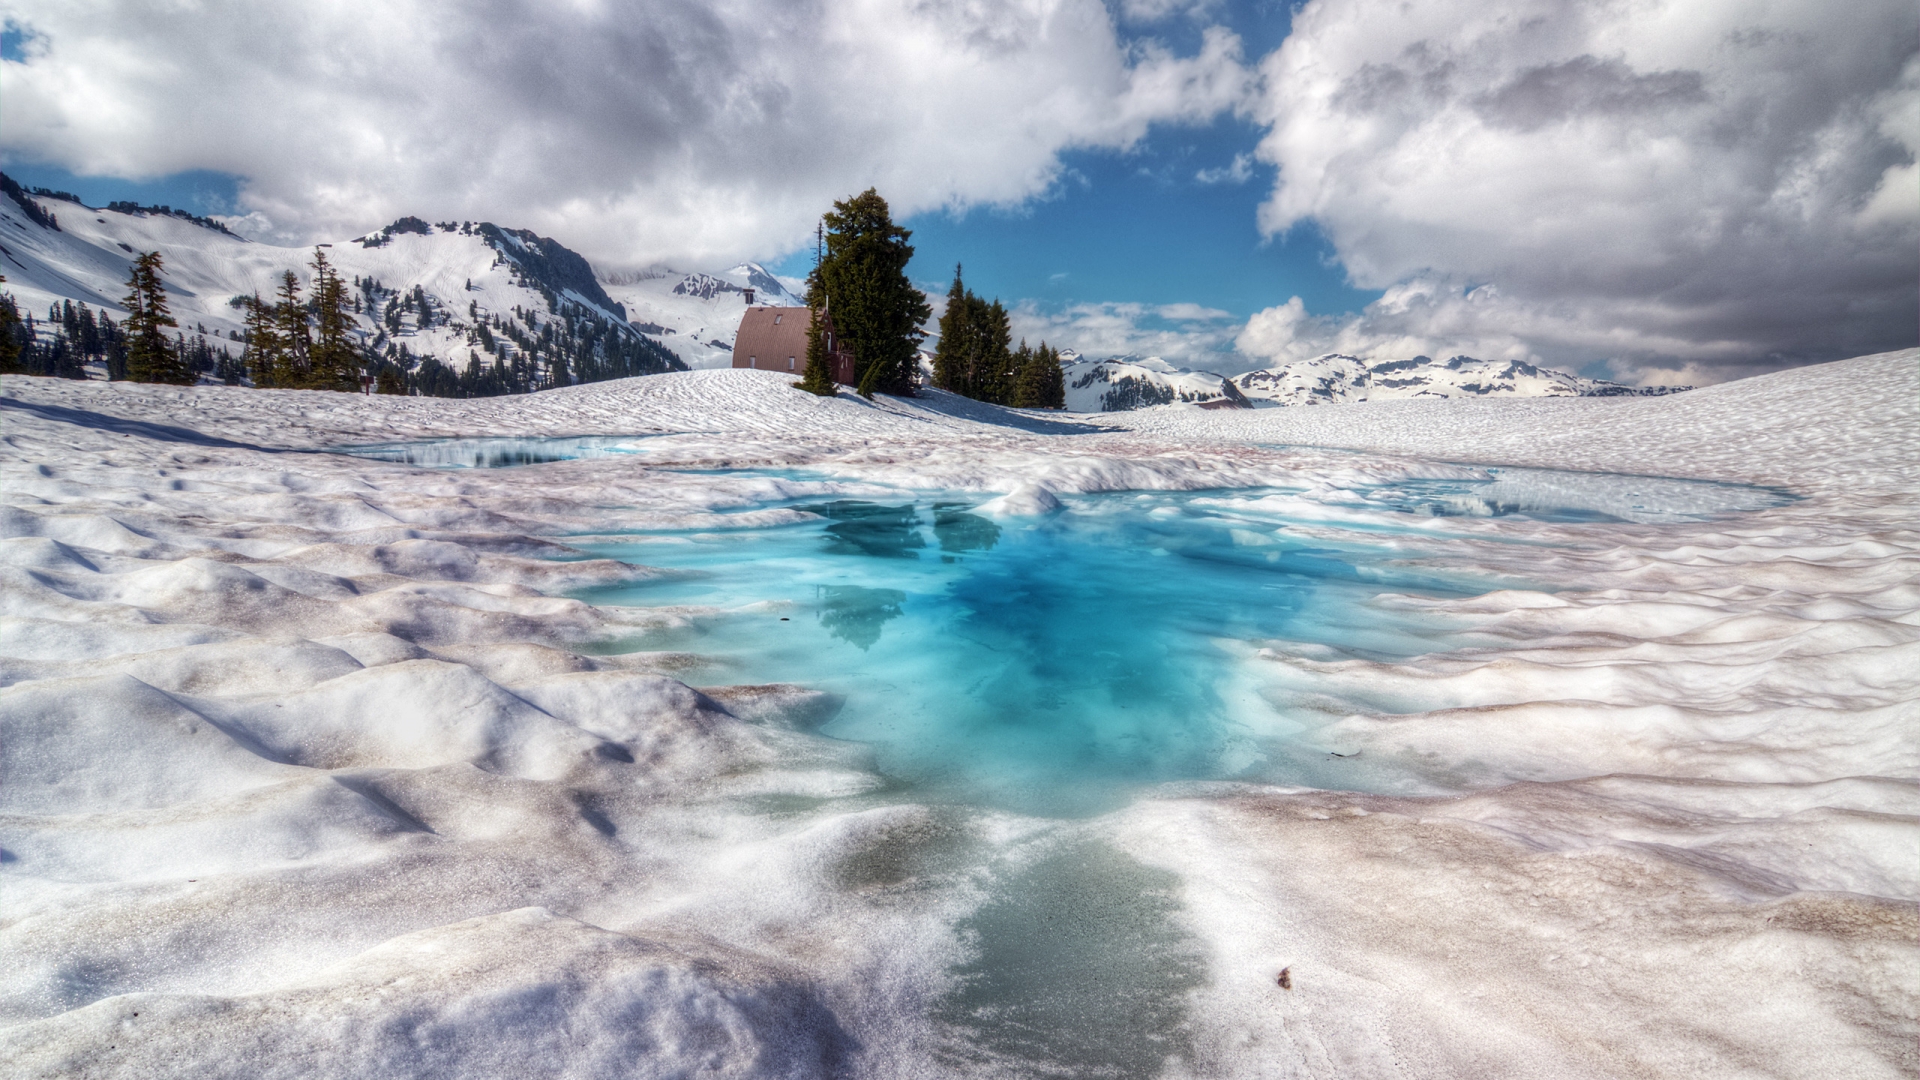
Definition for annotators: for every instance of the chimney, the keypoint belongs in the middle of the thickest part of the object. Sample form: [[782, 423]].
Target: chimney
[[749, 293]]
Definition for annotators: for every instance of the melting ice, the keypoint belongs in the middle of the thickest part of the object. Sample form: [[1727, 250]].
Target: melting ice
[[1049, 665]]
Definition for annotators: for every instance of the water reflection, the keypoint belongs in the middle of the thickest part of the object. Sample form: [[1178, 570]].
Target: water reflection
[[958, 531], [855, 614], [864, 528]]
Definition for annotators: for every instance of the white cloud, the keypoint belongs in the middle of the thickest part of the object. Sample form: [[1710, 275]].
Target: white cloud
[[1187, 335], [634, 130], [1239, 172], [1715, 183]]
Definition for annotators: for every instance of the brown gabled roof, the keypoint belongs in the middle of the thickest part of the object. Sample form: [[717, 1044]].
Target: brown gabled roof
[[768, 336]]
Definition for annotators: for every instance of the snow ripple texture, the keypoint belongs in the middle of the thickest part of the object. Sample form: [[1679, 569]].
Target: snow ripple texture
[[310, 767]]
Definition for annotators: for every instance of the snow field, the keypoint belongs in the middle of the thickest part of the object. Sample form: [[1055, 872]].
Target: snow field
[[311, 762]]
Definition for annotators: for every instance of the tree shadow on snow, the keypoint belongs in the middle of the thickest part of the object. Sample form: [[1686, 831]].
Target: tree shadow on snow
[[121, 426]]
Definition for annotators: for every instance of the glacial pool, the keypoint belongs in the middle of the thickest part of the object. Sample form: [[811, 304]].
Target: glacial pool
[[1052, 665]]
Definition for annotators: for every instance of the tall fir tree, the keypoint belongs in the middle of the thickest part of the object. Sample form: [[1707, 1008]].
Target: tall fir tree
[[973, 358], [1055, 396], [265, 352], [876, 310], [334, 361], [949, 356], [150, 356], [9, 329], [1027, 376], [295, 339], [818, 378]]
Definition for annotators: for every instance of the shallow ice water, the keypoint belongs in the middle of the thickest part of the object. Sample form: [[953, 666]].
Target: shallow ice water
[[1051, 665]]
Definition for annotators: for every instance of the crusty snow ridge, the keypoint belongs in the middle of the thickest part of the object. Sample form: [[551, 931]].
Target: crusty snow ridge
[[312, 765]]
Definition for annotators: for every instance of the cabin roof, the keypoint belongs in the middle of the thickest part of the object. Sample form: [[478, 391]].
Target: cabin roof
[[772, 333]]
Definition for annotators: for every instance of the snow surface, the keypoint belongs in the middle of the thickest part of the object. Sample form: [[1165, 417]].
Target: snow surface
[[310, 766]]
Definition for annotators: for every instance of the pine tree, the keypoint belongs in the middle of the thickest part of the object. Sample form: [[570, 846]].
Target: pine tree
[[1055, 396], [973, 358], [334, 359], [290, 323], [993, 372], [876, 310], [150, 356], [1026, 379], [949, 357], [818, 378], [266, 354], [9, 328]]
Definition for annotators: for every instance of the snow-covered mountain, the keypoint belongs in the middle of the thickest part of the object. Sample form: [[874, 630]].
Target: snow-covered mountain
[[1122, 383], [427, 288], [1336, 378], [695, 314]]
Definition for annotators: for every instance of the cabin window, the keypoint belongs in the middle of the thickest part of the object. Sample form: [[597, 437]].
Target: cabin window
[[789, 363], [776, 320], [753, 361]]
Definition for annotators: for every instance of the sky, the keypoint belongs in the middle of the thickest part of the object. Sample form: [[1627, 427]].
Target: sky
[[1655, 191]]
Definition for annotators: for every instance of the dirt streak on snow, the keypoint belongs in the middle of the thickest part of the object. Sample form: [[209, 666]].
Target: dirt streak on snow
[[308, 766]]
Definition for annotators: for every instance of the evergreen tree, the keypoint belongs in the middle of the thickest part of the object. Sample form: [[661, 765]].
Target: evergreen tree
[[972, 358], [9, 329], [876, 310], [1027, 376], [334, 359], [290, 323], [818, 378], [949, 357], [113, 341], [266, 350], [150, 356], [1038, 380], [1055, 395]]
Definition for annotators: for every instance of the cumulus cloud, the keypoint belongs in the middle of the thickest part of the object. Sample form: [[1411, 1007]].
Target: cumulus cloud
[[1239, 171], [635, 130], [1188, 335], [1653, 184]]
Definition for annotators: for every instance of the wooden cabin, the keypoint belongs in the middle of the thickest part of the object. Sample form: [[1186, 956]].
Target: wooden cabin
[[775, 339]]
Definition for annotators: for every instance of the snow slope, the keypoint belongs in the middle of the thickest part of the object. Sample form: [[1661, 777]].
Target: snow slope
[[310, 766]]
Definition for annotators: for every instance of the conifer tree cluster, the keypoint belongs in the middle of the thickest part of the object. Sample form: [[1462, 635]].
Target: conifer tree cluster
[[974, 360], [74, 336], [862, 280], [308, 344], [150, 356]]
